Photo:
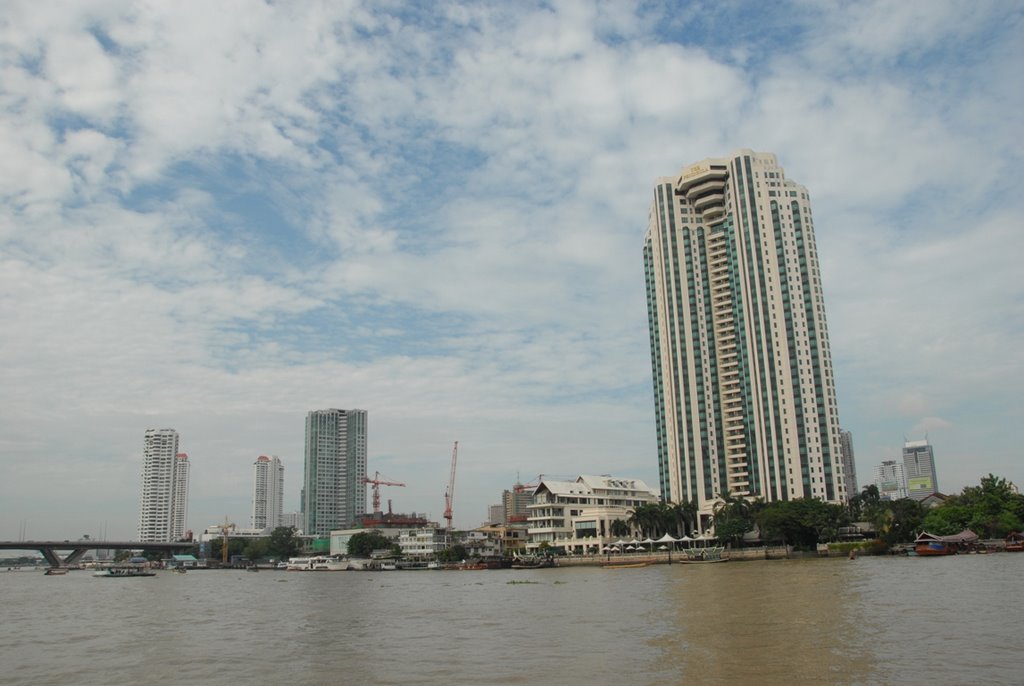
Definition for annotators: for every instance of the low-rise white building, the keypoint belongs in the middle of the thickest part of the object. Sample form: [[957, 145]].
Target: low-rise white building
[[422, 544], [577, 515]]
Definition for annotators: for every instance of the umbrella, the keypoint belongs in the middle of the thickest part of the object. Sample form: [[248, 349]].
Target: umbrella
[[629, 547], [667, 539], [662, 547], [634, 542]]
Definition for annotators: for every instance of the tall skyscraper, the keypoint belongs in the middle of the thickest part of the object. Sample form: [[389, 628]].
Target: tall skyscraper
[[163, 499], [334, 494], [919, 468], [267, 492], [744, 394], [849, 464]]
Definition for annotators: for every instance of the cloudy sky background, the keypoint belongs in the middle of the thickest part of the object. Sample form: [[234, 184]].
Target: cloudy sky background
[[218, 216]]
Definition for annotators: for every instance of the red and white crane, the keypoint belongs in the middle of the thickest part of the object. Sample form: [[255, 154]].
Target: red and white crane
[[377, 483], [449, 494]]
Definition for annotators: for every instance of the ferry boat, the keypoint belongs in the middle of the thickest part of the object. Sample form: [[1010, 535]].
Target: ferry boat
[[319, 563], [1015, 542], [124, 572]]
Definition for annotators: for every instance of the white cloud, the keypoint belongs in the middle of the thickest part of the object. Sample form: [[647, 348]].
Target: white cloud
[[217, 218]]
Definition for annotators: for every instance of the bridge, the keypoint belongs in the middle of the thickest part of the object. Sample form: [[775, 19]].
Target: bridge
[[77, 549]]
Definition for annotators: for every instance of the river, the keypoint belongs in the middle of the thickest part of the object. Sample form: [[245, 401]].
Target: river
[[954, 620]]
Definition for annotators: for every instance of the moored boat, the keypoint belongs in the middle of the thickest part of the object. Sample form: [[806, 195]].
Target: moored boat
[[1015, 542]]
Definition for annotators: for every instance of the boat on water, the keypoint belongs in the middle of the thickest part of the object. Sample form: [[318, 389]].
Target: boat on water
[[56, 571], [1015, 542], [628, 564], [319, 563], [930, 545], [124, 572], [532, 562]]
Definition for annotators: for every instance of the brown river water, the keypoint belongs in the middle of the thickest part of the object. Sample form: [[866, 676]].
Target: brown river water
[[955, 620]]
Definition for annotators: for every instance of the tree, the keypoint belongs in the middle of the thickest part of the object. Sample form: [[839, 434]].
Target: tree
[[619, 528], [684, 515], [456, 553], [283, 543], [732, 518], [365, 542]]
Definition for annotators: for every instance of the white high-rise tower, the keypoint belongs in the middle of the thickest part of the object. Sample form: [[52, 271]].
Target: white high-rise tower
[[267, 492], [163, 499], [743, 384]]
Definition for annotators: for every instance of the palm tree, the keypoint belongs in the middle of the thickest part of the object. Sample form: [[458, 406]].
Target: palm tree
[[684, 516]]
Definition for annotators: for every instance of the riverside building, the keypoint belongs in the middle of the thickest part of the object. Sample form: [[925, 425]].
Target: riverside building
[[163, 497], [745, 400], [267, 492], [577, 516], [334, 492], [849, 463]]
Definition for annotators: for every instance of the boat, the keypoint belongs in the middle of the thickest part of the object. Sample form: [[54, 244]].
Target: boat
[[1014, 542], [532, 562], [319, 563], [56, 571], [124, 572], [178, 570], [930, 545], [625, 564]]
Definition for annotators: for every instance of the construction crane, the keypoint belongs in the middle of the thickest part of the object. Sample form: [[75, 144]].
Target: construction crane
[[377, 483], [224, 541], [449, 494]]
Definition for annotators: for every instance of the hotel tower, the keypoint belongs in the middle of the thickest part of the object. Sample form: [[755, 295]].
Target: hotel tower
[[163, 499], [334, 491], [745, 401]]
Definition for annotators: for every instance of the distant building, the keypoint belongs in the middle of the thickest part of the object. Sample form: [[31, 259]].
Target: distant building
[[744, 390], [919, 469], [292, 519], [267, 492], [496, 514], [163, 498], [516, 502], [849, 464], [890, 480], [334, 493], [577, 515]]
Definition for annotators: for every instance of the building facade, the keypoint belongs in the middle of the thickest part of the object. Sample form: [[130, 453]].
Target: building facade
[[891, 480], [849, 464], [267, 492], [577, 516], [334, 492], [163, 497], [919, 469], [745, 400]]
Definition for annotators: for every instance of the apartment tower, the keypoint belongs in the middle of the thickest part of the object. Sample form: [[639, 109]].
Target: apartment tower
[[163, 499], [743, 383], [267, 492], [334, 492]]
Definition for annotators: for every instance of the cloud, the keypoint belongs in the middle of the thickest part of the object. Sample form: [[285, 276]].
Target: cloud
[[218, 218]]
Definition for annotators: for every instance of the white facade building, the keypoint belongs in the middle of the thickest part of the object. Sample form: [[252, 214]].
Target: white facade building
[[745, 399], [422, 544], [577, 515], [891, 480], [267, 492], [163, 497], [919, 469]]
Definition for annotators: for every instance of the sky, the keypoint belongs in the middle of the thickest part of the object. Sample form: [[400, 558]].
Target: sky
[[216, 217]]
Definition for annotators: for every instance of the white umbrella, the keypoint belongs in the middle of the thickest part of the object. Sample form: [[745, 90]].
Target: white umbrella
[[619, 542], [662, 547], [667, 539], [634, 542]]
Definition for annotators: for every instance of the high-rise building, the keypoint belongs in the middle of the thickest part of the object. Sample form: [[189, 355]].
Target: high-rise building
[[163, 499], [334, 494], [919, 468], [849, 465], [267, 492], [744, 394], [891, 480]]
